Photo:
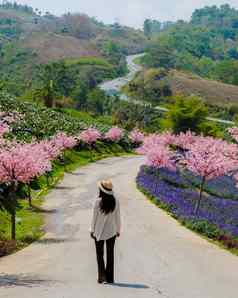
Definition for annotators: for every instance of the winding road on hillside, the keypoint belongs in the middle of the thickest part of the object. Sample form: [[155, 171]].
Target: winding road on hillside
[[114, 87], [155, 256]]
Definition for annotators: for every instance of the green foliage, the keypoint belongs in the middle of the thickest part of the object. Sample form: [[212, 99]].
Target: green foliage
[[204, 228], [150, 85], [208, 128], [207, 45], [148, 28], [28, 38], [227, 71], [130, 115], [40, 122], [88, 61], [187, 114], [7, 5], [95, 101], [160, 54], [68, 83]]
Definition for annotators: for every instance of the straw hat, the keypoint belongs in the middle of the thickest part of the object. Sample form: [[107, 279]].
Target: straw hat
[[106, 186]]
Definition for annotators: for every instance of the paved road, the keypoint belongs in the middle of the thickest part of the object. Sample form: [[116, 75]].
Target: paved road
[[155, 256], [114, 86]]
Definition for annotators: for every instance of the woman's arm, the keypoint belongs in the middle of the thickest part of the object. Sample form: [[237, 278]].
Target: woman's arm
[[118, 219], [94, 218]]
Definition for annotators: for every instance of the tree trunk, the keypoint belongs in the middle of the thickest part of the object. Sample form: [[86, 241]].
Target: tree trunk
[[13, 198], [29, 195], [91, 152], [200, 197], [49, 97], [13, 224]]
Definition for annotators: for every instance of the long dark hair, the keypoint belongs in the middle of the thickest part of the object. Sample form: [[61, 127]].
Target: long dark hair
[[108, 202]]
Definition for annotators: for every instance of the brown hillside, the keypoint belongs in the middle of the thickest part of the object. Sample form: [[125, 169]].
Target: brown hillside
[[214, 92], [52, 47]]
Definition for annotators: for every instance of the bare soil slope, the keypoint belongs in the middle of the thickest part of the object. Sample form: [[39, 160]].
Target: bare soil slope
[[216, 93], [52, 46]]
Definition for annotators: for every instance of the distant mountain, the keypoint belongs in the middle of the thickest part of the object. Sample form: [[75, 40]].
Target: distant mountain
[[30, 39], [36, 32]]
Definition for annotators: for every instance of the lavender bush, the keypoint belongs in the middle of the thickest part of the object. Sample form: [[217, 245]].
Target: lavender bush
[[164, 185]]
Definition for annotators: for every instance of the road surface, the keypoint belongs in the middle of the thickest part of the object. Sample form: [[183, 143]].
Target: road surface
[[155, 256], [114, 86]]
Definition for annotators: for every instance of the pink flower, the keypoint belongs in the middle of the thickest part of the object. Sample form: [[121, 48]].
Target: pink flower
[[22, 163], [62, 141], [4, 128], [51, 149], [154, 140], [136, 136], [233, 132], [161, 157], [11, 117], [115, 134], [210, 158], [90, 136], [185, 140]]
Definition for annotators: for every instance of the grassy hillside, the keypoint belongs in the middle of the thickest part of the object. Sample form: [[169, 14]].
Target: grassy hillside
[[30, 40], [68, 36], [52, 47], [214, 92], [161, 87]]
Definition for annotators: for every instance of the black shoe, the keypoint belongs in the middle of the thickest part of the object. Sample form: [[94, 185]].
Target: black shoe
[[102, 281]]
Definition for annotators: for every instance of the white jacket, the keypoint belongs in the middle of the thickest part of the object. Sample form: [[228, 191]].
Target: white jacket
[[105, 226]]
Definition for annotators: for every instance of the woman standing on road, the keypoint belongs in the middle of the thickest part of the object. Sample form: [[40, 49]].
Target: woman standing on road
[[106, 224]]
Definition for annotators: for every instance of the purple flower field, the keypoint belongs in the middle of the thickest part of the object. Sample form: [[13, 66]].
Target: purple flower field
[[177, 193]]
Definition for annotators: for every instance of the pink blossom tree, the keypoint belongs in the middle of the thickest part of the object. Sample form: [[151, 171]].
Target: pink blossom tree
[[136, 136], [185, 140], [51, 149], [20, 164], [154, 140], [209, 158], [90, 136], [161, 157], [63, 142], [115, 134]]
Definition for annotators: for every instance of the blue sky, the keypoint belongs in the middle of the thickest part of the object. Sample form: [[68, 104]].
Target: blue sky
[[129, 12]]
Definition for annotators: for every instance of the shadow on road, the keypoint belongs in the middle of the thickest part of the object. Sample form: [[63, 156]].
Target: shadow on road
[[56, 240], [75, 174], [21, 280], [38, 209], [64, 187], [129, 285]]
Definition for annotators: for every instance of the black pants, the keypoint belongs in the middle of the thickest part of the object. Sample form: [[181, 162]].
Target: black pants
[[105, 273]]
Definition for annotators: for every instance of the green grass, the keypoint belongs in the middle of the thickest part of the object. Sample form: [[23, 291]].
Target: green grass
[[30, 221], [28, 228], [88, 118], [138, 60], [88, 61]]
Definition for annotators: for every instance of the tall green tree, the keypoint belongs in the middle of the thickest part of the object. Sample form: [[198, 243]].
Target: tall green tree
[[148, 28], [187, 113]]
